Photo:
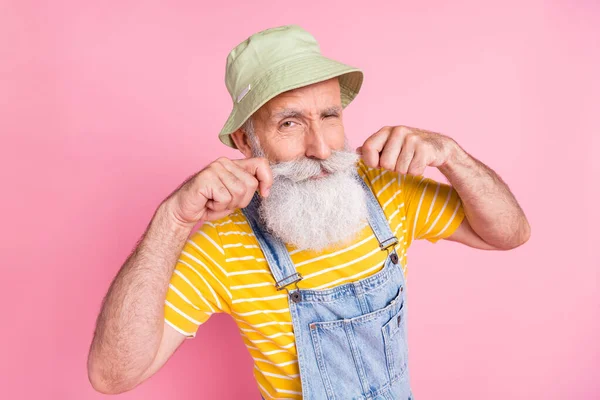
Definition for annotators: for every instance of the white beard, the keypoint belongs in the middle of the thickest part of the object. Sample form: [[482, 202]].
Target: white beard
[[314, 214]]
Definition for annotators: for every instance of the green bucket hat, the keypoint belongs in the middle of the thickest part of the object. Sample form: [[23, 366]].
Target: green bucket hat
[[274, 61]]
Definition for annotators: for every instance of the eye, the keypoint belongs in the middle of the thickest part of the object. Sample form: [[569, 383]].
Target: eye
[[287, 124], [331, 115]]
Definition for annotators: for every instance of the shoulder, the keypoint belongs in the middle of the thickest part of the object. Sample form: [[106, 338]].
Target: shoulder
[[217, 245], [233, 234], [382, 182], [233, 221], [233, 227]]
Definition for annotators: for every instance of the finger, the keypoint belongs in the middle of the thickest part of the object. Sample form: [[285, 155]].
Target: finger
[[406, 154], [373, 145], [218, 195], [234, 185], [392, 148], [248, 180], [258, 167], [419, 162]]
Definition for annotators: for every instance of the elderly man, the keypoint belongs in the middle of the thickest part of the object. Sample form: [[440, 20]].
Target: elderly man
[[304, 241]]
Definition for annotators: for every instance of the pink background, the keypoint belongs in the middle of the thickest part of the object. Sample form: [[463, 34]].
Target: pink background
[[104, 109]]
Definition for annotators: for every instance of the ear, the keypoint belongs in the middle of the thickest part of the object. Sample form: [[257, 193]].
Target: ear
[[240, 139]]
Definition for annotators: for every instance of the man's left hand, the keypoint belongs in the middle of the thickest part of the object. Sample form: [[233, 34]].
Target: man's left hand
[[406, 150]]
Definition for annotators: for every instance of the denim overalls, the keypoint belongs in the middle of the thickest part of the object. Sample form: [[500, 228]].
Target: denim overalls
[[351, 339]]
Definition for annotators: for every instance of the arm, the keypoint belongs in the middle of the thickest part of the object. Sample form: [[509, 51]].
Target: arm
[[494, 220], [493, 215], [131, 340]]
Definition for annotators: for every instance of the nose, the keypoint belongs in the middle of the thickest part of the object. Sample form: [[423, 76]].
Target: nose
[[316, 145]]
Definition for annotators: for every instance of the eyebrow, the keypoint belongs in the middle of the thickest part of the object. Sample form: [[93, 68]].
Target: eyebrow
[[295, 113]]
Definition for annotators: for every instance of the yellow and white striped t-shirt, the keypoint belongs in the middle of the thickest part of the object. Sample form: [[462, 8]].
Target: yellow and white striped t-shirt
[[222, 269]]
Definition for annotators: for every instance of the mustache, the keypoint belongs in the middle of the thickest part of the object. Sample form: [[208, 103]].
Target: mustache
[[306, 168]]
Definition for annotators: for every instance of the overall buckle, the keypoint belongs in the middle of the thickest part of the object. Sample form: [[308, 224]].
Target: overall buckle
[[295, 282], [386, 244]]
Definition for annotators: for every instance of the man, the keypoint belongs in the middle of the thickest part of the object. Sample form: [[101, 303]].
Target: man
[[312, 266]]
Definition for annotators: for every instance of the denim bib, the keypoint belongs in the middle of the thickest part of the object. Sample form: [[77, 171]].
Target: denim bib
[[351, 339]]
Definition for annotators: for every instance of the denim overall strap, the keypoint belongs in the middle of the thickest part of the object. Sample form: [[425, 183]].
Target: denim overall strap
[[274, 249], [377, 219]]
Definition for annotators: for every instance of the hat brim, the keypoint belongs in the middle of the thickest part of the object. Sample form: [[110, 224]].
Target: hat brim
[[288, 76]]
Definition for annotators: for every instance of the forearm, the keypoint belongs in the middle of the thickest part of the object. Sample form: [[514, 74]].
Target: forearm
[[130, 325], [490, 207]]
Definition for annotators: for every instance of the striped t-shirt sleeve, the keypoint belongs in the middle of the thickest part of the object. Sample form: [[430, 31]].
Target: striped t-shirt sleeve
[[199, 285], [433, 209]]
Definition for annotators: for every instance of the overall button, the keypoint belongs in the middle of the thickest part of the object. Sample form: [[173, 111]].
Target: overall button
[[394, 258], [295, 296]]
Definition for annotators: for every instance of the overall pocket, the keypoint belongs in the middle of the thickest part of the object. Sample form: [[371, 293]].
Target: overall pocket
[[363, 354], [396, 346]]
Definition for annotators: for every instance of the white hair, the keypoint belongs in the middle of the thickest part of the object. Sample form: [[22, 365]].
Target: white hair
[[248, 128], [319, 213], [309, 213]]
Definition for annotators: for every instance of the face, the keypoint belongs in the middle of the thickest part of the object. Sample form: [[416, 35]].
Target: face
[[304, 122], [315, 201]]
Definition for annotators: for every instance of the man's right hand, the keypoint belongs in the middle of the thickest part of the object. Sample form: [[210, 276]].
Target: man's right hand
[[220, 188]]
